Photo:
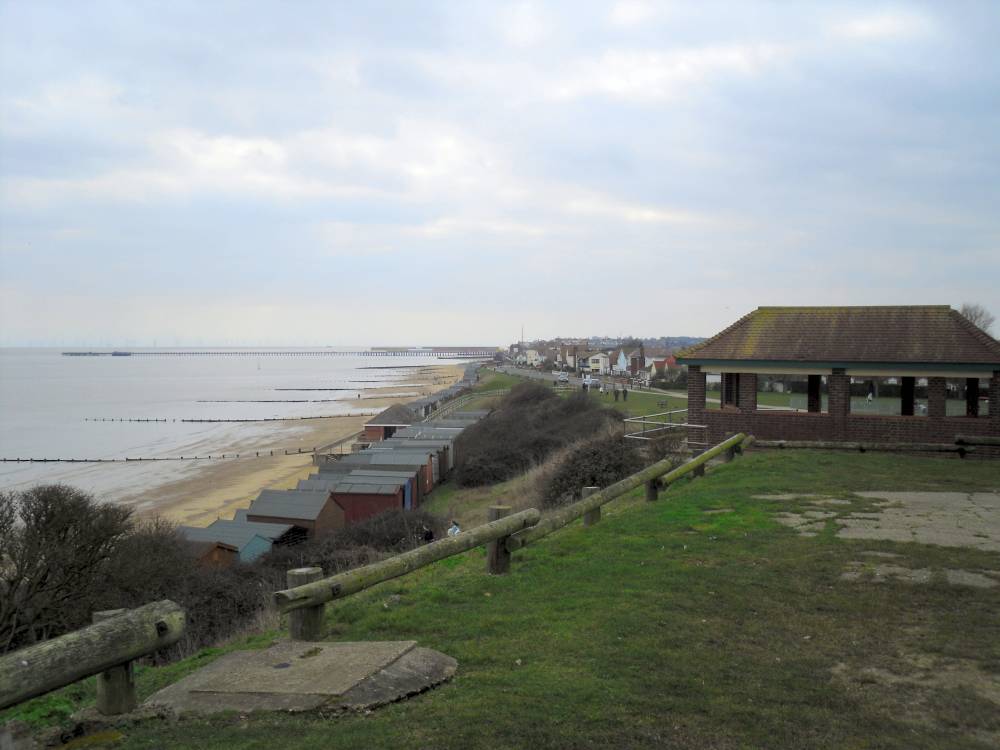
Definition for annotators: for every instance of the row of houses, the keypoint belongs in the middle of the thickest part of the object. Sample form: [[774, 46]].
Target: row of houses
[[618, 361], [402, 456]]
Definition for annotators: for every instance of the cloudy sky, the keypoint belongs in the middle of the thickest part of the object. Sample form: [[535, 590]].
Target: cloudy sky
[[444, 172]]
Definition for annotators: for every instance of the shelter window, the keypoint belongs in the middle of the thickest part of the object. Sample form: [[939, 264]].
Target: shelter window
[[793, 392], [967, 397], [889, 396]]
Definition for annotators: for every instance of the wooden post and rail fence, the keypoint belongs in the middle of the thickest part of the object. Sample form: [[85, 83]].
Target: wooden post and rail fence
[[105, 648], [504, 534], [117, 637]]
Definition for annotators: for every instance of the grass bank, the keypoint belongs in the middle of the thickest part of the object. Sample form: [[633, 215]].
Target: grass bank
[[695, 622]]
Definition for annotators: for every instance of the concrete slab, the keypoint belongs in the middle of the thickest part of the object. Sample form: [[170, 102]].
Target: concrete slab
[[301, 676], [295, 667]]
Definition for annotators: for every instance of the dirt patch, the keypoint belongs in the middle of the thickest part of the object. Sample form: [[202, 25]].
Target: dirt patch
[[949, 519], [930, 689]]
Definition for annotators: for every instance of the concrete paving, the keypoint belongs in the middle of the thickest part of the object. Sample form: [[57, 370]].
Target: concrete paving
[[949, 519], [303, 676]]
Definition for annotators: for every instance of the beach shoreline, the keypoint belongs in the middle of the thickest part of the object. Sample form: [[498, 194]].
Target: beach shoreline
[[217, 490]]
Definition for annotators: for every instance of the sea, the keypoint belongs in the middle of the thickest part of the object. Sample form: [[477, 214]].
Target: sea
[[88, 407]]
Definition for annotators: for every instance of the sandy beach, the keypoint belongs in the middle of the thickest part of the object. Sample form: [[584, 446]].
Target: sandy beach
[[217, 490]]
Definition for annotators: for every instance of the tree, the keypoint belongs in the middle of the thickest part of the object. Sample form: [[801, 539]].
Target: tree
[[978, 315], [55, 542]]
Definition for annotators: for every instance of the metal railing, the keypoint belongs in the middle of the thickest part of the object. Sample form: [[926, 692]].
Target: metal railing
[[661, 424]]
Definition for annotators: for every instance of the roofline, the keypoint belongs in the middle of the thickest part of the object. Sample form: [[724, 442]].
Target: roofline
[[800, 364]]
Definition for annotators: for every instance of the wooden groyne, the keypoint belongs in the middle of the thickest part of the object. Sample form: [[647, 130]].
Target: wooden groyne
[[128, 460], [213, 421]]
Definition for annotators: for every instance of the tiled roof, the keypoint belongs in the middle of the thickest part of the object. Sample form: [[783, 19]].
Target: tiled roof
[[919, 334]]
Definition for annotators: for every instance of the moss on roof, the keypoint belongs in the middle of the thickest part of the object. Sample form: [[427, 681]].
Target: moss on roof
[[897, 333]]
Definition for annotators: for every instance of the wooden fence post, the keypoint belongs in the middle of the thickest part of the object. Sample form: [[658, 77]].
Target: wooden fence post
[[305, 624], [591, 516], [699, 471], [727, 455], [115, 686], [652, 490], [497, 556]]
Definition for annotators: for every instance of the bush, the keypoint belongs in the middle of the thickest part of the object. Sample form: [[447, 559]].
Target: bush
[[64, 556], [388, 533], [54, 550], [530, 425], [596, 462]]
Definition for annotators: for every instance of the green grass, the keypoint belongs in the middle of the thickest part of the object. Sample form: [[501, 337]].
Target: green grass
[[666, 626], [492, 381], [641, 402]]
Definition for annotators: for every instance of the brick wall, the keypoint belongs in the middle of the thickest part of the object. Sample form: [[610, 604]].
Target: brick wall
[[839, 424]]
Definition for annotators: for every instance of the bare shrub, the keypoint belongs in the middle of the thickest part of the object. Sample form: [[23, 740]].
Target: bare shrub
[[387, 533], [595, 462], [530, 425], [56, 544]]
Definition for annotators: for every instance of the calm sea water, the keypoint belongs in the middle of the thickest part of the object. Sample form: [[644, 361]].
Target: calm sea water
[[48, 403]]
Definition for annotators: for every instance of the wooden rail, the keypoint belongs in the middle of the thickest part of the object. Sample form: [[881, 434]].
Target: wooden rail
[[504, 535], [319, 592], [662, 473], [113, 641]]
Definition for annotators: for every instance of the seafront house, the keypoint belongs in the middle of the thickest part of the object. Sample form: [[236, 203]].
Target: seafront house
[[619, 362], [599, 363], [842, 359]]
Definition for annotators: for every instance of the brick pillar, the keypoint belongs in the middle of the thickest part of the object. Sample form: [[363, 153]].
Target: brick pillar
[[995, 403], [748, 392], [972, 397], [696, 395], [906, 394], [814, 400], [937, 394], [839, 395]]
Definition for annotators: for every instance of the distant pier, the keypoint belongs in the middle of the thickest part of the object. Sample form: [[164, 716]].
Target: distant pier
[[439, 352]]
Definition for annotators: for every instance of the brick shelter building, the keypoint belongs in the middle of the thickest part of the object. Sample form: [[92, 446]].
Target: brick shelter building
[[934, 346]]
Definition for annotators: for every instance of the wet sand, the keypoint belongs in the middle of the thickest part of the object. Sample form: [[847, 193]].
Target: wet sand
[[218, 489]]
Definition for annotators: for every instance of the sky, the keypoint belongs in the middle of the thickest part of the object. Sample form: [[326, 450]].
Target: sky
[[340, 173]]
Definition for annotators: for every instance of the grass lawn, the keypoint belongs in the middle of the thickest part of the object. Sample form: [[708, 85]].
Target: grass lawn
[[667, 625], [641, 402]]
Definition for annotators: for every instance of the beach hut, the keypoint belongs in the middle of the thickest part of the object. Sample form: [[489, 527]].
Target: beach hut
[[383, 425], [213, 553], [330, 480], [427, 460], [361, 501], [312, 510], [249, 545]]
